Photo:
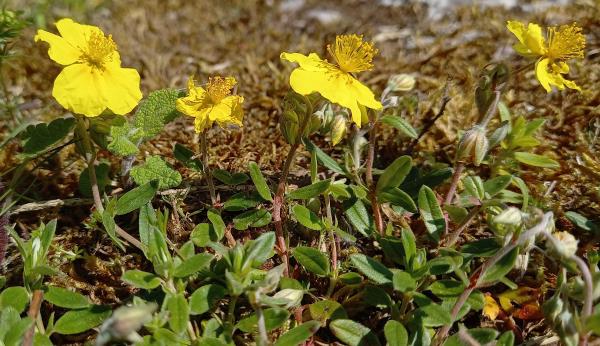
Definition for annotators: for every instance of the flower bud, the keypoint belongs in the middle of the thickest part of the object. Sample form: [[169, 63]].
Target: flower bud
[[293, 297], [473, 145], [288, 123], [124, 323], [400, 82], [564, 244], [338, 129], [510, 216]]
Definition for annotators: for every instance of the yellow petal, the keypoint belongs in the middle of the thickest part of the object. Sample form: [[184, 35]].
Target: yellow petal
[[202, 120], [312, 62], [517, 28], [571, 85], [76, 34], [491, 308], [121, 89], [336, 86], [534, 39], [228, 111], [78, 88], [60, 50], [542, 74]]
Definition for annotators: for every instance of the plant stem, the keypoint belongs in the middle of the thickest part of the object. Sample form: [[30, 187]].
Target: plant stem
[[455, 179], [369, 178], [331, 236], [207, 170], [280, 192], [454, 236], [589, 295], [34, 310], [263, 338], [479, 273], [90, 156]]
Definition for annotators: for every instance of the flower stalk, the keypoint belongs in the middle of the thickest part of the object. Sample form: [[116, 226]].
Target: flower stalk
[[207, 170]]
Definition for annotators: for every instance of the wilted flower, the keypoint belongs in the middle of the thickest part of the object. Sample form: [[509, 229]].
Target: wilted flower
[[93, 78], [564, 244], [564, 43], [401, 82], [215, 103], [335, 81], [473, 145]]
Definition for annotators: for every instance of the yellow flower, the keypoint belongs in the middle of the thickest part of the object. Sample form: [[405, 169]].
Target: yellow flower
[[335, 82], [215, 103], [92, 79], [563, 43]]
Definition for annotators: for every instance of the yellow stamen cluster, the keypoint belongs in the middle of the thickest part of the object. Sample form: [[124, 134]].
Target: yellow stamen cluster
[[565, 42], [218, 87], [352, 54], [99, 48]]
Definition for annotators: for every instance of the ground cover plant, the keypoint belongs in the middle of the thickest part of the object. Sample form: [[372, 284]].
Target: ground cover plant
[[293, 173]]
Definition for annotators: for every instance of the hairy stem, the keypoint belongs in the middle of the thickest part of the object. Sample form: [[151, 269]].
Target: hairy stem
[[281, 186], [589, 295], [369, 178], [460, 167], [207, 170], [33, 312], [453, 238], [90, 156]]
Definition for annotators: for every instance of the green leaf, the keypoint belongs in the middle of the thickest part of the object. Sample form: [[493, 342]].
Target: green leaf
[[371, 268], [536, 160], [395, 334], [157, 110], [136, 198], [186, 156], [444, 264], [409, 244], [506, 339], [204, 298], [179, 312], [394, 174], [400, 124], [582, 222], [353, 333], [403, 282], [359, 217], [493, 186], [141, 279], [85, 187], [261, 248], [482, 336], [307, 218], [242, 201], [15, 297], [125, 139], [274, 318], [203, 234], [310, 191], [259, 181], [325, 159], [431, 213], [501, 268], [252, 218], [38, 138], [228, 178], [14, 335], [78, 321], [312, 260], [398, 197], [65, 298], [192, 265], [156, 169], [217, 222], [433, 315], [486, 247], [299, 334], [326, 309], [447, 288]]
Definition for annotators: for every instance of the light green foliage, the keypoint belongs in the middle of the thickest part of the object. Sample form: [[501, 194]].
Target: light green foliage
[[155, 168]]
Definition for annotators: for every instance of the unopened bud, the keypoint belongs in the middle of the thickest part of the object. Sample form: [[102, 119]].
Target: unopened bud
[[509, 216], [293, 297], [564, 244], [124, 323], [338, 129], [288, 123], [401, 82], [473, 145]]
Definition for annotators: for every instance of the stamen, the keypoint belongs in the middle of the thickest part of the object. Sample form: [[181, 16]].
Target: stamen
[[218, 87], [99, 50], [352, 54], [565, 42]]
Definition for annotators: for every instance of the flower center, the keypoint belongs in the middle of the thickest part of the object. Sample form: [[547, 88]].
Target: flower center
[[218, 88], [352, 54], [565, 42], [100, 49]]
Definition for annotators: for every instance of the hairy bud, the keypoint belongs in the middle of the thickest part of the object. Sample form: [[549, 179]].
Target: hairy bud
[[473, 145]]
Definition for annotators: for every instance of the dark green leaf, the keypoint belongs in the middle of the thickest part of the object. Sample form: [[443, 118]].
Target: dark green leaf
[[401, 124], [497, 184], [582, 222], [299, 334], [242, 201], [274, 318], [228, 178], [179, 312], [312, 260], [501, 268], [252, 218], [78, 321], [203, 234], [431, 213], [217, 222], [141, 279], [326, 309], [353, 333], [136, 198], [259, 181], [307, 218], [15, 297], [371, 268], [403, 282], [447, 288], [398, 197], [38, 138], [186, 156], [65, 298], [310, 191], [193, 265], [481, 248], [358, 216], [325, 159], [394, 174], [395, 333], [102, 179], [205, 297]]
